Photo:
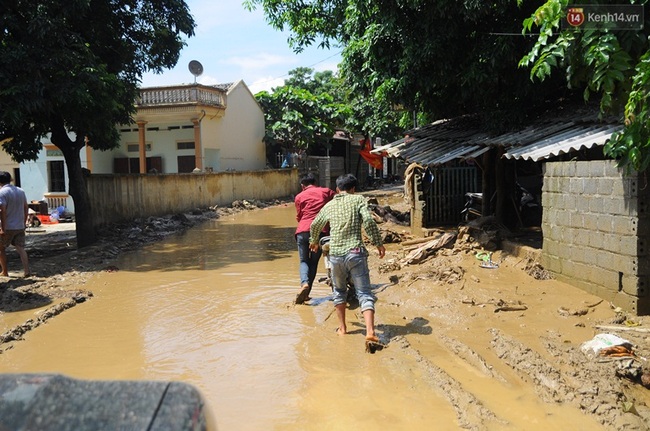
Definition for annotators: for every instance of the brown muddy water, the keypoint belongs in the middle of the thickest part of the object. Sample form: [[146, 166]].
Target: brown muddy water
[[213, 307]]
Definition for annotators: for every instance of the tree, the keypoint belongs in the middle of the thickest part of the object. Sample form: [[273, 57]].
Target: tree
[[439, 58], [613, 65], [71, 69], [305, 111], [297, 119]]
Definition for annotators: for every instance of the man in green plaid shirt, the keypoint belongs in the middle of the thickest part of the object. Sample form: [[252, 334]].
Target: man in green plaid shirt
[[346, 214]]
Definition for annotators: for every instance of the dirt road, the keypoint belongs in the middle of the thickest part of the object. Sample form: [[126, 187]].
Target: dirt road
[[501, 344]]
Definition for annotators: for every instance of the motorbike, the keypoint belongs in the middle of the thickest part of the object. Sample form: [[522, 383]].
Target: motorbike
[[528, 208], [473, 208], [352, 293], [32, 219]]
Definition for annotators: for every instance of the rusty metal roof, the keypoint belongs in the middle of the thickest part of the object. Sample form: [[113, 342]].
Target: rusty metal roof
[[546, 137], [436, 143]]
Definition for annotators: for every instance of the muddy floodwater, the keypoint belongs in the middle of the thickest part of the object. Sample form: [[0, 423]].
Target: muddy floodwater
[[213, 307]]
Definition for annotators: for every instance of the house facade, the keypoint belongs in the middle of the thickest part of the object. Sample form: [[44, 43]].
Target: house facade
[[8, 165], [176, 129]]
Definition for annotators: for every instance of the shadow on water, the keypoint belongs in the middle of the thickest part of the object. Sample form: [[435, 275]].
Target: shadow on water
[[216, 245]]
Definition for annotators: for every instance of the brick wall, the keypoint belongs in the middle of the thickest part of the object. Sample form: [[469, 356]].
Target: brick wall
[[596, 231]]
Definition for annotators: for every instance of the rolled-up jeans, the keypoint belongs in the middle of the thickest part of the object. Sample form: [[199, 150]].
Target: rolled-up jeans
[[308, 259], [355, 265]]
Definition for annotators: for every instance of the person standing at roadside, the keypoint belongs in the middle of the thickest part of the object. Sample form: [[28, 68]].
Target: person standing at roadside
[[346, 214], [13, 218], [308, 203]]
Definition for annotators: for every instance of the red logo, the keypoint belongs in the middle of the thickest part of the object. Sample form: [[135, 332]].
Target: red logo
[[575, 16]]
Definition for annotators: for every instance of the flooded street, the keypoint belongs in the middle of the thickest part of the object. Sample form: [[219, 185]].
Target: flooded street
[[213, 307], [208, 307]]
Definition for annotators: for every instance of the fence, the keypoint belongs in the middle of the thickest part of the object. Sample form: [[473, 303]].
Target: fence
[[445, 196], [116, 198]]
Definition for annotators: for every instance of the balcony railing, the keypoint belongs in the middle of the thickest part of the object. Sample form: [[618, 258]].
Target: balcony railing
[[182, 95]]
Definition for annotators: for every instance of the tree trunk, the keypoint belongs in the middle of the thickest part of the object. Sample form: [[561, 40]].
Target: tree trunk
[[85, 230]]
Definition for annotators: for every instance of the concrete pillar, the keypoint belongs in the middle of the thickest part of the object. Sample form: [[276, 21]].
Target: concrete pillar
[[89, 157], [198, 148], [143, 147]]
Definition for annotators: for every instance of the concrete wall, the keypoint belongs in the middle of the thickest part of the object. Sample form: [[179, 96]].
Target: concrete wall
[[240, 135], [596, 229], [117, 198], [34, 174], [162, 144]]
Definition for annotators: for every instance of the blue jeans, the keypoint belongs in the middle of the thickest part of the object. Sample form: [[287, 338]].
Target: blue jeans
[[308, 259], [355, 265]]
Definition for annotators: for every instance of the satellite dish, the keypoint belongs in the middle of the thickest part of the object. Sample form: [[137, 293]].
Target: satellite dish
[[196, 69]]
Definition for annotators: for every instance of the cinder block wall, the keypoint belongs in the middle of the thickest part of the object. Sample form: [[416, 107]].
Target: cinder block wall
[[596, 229]]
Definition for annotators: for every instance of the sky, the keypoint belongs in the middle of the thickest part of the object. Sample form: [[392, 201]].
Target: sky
[[234, 44]]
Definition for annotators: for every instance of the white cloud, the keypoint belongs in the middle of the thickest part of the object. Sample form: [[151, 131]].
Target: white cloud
[[259, 61], [208, 80], [265, 84], [214, 16], [232, 44]]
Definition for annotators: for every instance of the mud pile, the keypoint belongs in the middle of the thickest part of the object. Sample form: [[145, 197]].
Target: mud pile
[[509, 322]]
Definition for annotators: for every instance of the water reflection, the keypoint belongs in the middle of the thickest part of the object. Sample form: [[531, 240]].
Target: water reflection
[[212, 307], [208, 307], [212, 246]]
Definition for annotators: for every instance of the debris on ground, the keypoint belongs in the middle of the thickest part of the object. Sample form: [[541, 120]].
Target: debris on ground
[[422, 252]]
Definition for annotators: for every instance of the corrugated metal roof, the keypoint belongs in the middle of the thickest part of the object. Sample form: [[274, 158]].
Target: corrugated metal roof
[[553, 135], [575, 139], [436, 143]]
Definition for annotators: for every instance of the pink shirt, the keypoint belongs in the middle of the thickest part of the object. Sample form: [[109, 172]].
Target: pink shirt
[[308, 204]]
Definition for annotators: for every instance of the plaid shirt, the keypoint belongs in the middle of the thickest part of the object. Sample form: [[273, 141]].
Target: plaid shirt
[[346, 213]]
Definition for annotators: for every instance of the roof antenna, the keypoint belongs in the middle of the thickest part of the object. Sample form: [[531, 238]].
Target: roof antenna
[[196, 69]]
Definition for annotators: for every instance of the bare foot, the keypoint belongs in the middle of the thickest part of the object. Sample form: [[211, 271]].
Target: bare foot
[[342, 330], [372, 338]]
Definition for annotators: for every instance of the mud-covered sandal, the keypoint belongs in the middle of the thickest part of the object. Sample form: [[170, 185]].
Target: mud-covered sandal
[[303, 295], [373, 344]]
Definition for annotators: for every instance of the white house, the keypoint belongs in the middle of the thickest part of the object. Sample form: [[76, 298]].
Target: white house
[[177, 129], [8, 165]]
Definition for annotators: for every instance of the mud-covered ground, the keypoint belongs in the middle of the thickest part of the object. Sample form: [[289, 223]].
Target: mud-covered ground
[[509, 321]]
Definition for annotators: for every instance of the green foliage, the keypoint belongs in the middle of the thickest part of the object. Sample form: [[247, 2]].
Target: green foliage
[[296, 118], [305, 111], [71, 69], [442, 58], [611, 65], [75, 65], [632, 146]]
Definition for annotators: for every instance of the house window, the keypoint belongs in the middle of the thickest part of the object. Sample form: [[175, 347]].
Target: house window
[[186, 164], [185, 145], [56, 173], [134, 148], [131, 165], [17, 177]]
